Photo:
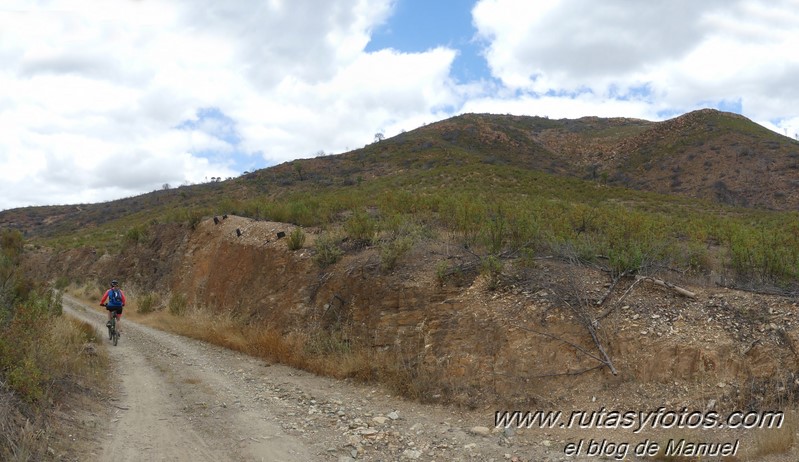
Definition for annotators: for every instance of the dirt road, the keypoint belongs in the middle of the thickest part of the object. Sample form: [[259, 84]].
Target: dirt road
[[183, 400]]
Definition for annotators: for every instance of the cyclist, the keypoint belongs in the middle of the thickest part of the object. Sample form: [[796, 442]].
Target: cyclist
[[114, 300]]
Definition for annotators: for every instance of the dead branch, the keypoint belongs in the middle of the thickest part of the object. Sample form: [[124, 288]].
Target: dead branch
[[618, 302], [610, 289], [668, 285], [567, 373], [590, 324], [561, 339], [592, 330], [762, 291], [460, 269]]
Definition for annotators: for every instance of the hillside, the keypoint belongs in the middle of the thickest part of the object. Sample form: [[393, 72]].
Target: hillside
[[480, 260], [709, 155]]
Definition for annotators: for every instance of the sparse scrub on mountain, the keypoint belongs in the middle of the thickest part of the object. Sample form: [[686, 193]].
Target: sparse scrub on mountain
[[623, 230], [577, 219]]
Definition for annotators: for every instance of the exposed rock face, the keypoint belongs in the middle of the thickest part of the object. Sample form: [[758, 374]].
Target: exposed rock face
[[475, 344]]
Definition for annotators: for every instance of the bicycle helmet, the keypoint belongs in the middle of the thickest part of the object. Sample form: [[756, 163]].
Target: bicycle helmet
[[114, 283]]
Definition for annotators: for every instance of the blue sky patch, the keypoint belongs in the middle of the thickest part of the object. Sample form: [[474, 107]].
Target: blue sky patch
[[212, 121], [639, 93], [571, 94], [420, 25], [730, 105], [665, 114]]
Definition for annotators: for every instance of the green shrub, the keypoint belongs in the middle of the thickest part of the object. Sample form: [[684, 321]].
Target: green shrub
[[327, 251], [27, 380], [400, 233], [61, 283], [322, 342], [146, 303], [177, 304], [442, 269], [361, 227], [296, 239], [194, 218], [493, 230], [492, 267], [392, 250], [137, 233], [26, 354]]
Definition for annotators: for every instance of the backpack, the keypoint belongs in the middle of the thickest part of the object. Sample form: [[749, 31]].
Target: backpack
[[114, 297]]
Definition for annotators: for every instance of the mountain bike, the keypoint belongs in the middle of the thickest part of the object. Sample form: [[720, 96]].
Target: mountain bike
[[113, 334]]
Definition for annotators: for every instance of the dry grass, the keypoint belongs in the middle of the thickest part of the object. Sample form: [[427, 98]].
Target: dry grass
[[23, 439], [688, 435], [70, 359], [754, 445], [71, 351], [770, 441]]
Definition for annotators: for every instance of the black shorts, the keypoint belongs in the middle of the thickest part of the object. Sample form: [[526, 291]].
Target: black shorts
[[115, 309]]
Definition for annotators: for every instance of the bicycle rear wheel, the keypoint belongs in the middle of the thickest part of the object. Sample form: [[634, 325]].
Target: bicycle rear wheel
[[113, 330]]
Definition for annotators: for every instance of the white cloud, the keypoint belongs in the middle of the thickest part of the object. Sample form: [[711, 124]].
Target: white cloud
[[641, 58], [181, 90], [90, 85]]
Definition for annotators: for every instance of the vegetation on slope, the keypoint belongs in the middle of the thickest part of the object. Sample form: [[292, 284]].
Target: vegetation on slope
[[43, 358], [512, 184], [537, 213]]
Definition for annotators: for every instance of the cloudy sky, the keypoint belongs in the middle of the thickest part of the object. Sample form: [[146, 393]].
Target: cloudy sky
[[113, 98]]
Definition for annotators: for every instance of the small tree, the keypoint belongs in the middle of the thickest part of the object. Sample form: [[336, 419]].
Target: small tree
[[379, 136]]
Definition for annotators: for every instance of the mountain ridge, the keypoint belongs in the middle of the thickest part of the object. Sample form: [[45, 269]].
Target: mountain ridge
[[707, 154]]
